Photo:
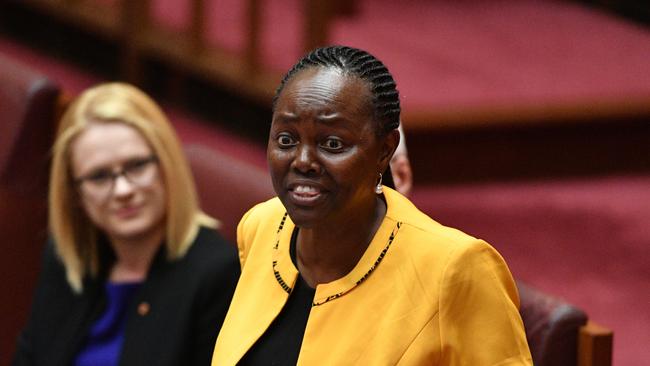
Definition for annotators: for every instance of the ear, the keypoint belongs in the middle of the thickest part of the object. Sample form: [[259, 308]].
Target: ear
[[389, 145]]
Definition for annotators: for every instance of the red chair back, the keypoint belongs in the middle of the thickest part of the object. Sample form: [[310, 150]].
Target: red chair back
[[28, 102], [227, 186]]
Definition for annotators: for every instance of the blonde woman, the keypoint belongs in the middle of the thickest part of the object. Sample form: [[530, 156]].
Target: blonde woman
[[135, 273]]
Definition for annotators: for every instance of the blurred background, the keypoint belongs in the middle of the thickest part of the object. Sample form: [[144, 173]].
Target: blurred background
[[527, 122]]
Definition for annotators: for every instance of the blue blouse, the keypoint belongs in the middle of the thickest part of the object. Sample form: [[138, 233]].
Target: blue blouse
[[103, 343]]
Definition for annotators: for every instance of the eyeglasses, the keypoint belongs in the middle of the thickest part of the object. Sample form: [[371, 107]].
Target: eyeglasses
[[100, 183]]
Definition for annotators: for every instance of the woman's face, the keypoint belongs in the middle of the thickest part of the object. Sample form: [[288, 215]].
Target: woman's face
[[323, 152], [119, 181]]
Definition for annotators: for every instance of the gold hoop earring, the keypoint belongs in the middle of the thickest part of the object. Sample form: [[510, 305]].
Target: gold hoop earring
[[378, 188]]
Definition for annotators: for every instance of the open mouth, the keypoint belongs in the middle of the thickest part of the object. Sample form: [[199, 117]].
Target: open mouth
[[305, 195]]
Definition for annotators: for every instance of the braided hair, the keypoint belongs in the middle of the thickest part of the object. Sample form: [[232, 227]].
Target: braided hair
[[353, 61]]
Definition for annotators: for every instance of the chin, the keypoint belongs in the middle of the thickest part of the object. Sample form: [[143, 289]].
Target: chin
[[128, 234], [304, 218], [302, 222], [131, 230]]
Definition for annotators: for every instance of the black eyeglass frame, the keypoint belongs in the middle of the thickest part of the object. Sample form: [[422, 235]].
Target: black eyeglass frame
[[116, 174]]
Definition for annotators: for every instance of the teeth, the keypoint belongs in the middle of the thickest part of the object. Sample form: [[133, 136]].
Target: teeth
[[305, 189]]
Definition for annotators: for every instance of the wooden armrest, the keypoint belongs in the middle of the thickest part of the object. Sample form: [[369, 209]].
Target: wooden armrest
[[595, 345]]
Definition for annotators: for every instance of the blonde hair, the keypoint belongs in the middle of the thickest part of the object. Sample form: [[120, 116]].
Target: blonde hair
[[74, 234]]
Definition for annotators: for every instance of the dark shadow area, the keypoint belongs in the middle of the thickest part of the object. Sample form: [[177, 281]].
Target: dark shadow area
[[562, 150], [636, 10], [60, 40]]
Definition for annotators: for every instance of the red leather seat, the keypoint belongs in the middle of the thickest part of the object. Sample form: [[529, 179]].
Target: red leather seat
[[28, 102], [551, 327], [558, 333]]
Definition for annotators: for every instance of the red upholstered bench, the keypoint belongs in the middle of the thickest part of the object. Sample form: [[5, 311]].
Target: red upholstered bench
[[490, 89], [456, 63]]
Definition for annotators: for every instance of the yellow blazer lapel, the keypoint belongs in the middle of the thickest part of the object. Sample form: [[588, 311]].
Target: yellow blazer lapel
[[259, 298]]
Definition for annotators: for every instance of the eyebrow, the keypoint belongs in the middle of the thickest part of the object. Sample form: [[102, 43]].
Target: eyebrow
[[111, 167], [331, 119], [286, 117]]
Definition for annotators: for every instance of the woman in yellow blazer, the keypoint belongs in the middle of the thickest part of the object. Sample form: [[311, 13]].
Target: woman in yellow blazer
[[340, 270]]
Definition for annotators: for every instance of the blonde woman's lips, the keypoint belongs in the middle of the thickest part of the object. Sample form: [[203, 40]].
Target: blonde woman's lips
[[127, 212]]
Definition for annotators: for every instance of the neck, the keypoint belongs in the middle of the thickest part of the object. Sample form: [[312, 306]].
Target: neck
[[134, 256], [329, 252]]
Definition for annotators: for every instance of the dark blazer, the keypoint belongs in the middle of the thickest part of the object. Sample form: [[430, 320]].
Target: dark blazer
[[173, 319]]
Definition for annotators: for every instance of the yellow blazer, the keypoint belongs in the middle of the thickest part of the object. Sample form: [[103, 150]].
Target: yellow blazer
[[422, 294]]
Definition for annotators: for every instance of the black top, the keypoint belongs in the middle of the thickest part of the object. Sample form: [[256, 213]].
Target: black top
[[173, 320], [280, 344]]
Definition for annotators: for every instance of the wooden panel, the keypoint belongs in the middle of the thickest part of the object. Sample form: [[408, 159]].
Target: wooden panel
[[96, 18], [317, 18], [253, 47], [197, 25]]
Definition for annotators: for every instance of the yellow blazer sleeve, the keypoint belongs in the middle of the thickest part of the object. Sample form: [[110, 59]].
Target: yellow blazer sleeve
[[479, 317]]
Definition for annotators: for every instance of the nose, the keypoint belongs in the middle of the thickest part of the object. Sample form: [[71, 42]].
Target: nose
[[306, 161], [122, 187]]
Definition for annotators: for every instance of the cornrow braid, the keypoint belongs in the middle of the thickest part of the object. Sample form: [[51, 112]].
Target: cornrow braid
[[385, 97]]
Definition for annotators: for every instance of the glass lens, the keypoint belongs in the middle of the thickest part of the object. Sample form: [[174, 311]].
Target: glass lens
[[140, 172], [98, 183]]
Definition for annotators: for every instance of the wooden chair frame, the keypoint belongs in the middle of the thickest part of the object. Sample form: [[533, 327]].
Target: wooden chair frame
[[595, 345]]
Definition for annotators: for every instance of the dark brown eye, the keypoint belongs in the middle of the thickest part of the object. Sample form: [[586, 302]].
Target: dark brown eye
[[285, 140], [332, 144]]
